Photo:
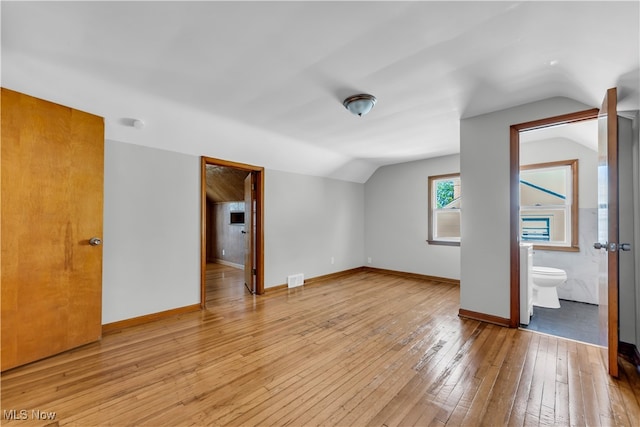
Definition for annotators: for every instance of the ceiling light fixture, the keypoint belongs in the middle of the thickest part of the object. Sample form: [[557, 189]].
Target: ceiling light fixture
[[360, 104]]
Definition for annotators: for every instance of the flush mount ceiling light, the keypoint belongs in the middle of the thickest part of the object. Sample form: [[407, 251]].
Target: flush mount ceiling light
[[360, 104]]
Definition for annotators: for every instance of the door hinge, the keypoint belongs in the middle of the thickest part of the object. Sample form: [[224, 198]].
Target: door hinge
[[253, 271]]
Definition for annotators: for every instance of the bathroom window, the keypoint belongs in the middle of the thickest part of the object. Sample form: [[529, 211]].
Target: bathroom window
[[549, 205], [444, 209]]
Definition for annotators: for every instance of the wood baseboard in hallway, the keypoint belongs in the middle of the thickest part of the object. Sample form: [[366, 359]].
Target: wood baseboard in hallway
[[363, 349]]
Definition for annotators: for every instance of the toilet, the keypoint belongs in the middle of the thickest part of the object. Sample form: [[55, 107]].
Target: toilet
[[545, 283]]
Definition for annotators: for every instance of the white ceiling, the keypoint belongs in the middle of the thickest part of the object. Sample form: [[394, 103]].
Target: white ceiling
[[263, 82]]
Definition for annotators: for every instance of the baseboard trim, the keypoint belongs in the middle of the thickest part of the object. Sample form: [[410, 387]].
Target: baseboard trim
[[412, 275], [318, 279], [228, 263], [364, 268], [489, 318], [147, 318], [630, 353], [331, 276], [276, 288]]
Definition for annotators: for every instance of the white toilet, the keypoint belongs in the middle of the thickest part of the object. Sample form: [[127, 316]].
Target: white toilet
[[545, 283]]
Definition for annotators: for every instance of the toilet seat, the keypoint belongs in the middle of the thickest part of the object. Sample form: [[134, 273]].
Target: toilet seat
[[548, 271]]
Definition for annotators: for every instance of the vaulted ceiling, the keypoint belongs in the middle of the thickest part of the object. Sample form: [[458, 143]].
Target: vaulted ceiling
[[263, 82]]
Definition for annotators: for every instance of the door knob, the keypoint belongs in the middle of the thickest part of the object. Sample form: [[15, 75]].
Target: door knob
[[95, 241], [625, 247], [599, 245]]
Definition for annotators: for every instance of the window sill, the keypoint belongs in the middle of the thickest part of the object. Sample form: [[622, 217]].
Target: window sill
[[556, 248], [443, 243]]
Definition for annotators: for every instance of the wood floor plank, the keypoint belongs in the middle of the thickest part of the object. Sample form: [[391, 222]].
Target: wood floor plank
[[592, 415], [519, 406], [500, 404], [629, 387], [576, 402], [366, 348], [356, 384], [428, 368], [534, 401], [450, 397], [547, 408], [561, 412]]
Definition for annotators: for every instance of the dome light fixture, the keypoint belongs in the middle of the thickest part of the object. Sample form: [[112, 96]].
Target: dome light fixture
[[360, 104]]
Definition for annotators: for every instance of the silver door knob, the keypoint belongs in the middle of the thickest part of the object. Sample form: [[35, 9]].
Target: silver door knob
[[625, 247], [599, 245], [95, 241]]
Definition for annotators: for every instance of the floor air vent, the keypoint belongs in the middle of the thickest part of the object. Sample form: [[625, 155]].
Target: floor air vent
[[295, 280]]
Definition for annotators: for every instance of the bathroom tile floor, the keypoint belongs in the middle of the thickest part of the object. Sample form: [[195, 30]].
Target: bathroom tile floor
[[575, 320]]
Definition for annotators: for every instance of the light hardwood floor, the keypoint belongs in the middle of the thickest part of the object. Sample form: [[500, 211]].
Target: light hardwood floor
[[364, 349]]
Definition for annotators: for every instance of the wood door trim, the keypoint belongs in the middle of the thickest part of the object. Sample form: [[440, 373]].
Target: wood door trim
[[514, 170], [258, 171], [612, 256], [577, 116], [249, 195]]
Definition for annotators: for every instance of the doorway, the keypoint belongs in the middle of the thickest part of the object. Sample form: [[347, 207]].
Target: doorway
[[558, 222], [232, 220], [607, 220]]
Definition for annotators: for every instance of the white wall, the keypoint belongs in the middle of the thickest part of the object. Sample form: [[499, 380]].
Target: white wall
[[484, 166], [309, 220], [151, 258], [396, 219]]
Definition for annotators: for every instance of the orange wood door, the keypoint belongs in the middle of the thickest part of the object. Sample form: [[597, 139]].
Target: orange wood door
[[51, 206], [249, 233], [608, 227]]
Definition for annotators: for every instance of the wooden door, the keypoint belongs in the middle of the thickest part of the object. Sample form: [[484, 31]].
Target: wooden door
[[51, 206], [608, 228], [249, 233]]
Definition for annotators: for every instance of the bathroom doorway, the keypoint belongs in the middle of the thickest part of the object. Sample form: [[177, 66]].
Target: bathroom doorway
[[558, 218], [615, 213], [557, 215]]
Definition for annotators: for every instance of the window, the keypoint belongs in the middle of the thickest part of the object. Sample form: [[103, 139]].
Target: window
[[444, 209], [236, 218], [549, 205]]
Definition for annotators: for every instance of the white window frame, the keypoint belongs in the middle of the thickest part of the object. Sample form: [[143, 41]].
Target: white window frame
[[569, 209]]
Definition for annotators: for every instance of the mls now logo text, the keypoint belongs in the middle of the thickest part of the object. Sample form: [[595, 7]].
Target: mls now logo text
[[23, 414]]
